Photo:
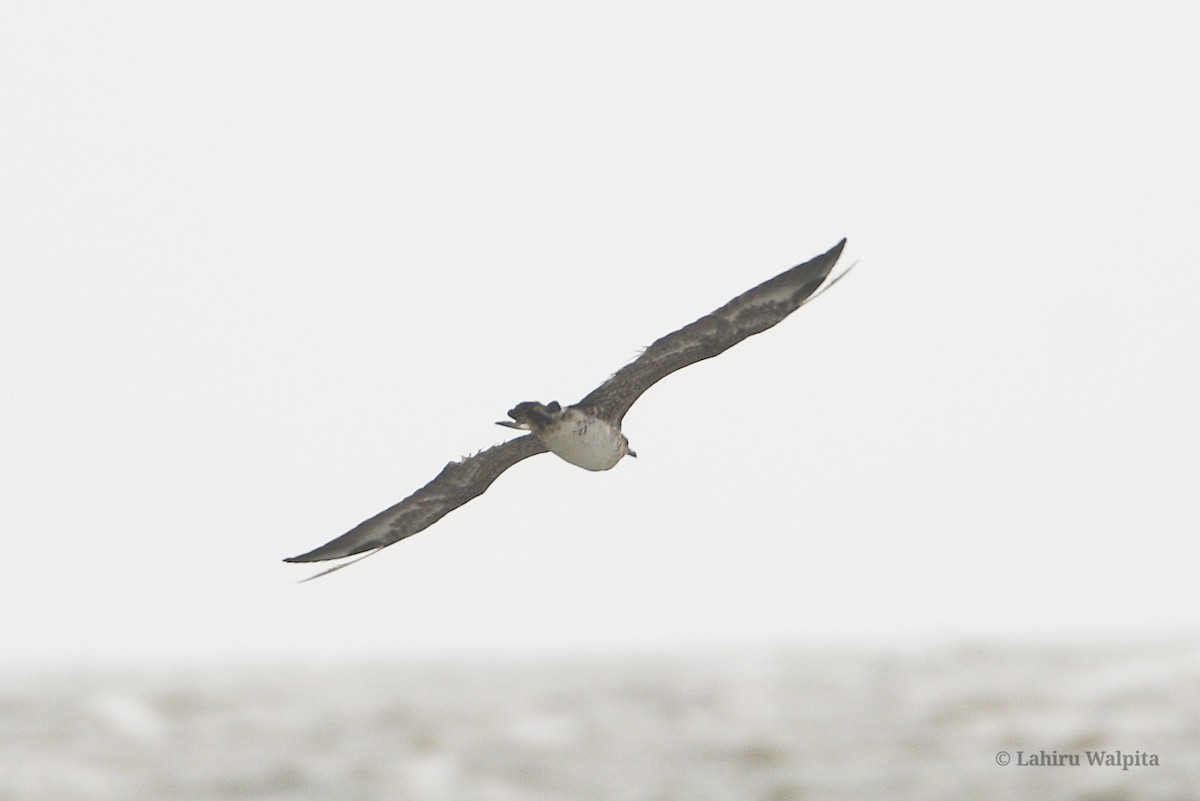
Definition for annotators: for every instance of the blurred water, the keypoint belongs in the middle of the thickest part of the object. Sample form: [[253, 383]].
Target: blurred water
[[761, 724]]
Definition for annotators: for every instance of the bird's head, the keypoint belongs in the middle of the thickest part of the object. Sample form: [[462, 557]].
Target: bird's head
[[628, 451]]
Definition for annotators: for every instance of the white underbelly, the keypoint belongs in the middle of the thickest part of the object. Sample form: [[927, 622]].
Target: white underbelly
[[584, 441]]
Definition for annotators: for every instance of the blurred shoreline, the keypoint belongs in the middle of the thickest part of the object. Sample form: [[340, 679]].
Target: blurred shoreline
[[751, 722]]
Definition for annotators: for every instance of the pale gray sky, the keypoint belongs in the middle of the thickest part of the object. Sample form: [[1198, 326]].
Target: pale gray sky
[[267, 267]]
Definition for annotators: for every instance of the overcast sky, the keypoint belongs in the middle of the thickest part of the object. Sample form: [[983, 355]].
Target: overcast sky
[[266, 268]]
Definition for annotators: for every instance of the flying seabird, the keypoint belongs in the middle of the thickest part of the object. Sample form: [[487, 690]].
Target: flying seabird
[[588, 433]]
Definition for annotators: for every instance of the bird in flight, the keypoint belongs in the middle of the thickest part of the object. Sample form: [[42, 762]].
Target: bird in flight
[[588, 433]]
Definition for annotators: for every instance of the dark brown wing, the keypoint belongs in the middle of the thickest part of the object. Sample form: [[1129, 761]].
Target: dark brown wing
[[746, 315], [458, 483]]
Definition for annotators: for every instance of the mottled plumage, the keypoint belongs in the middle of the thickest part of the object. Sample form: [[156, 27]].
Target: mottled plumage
[[588, 433], [458, 483], [746, 315]]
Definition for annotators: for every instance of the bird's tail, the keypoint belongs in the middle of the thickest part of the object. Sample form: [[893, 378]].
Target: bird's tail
[[532, 415]]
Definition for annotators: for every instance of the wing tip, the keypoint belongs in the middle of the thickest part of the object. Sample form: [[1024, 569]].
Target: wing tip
[[338, 567], [306, 557], [822, 263], [330, 550]]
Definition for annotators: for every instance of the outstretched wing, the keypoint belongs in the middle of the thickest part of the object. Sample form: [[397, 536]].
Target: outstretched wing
[[458, 483], [746, 315]]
